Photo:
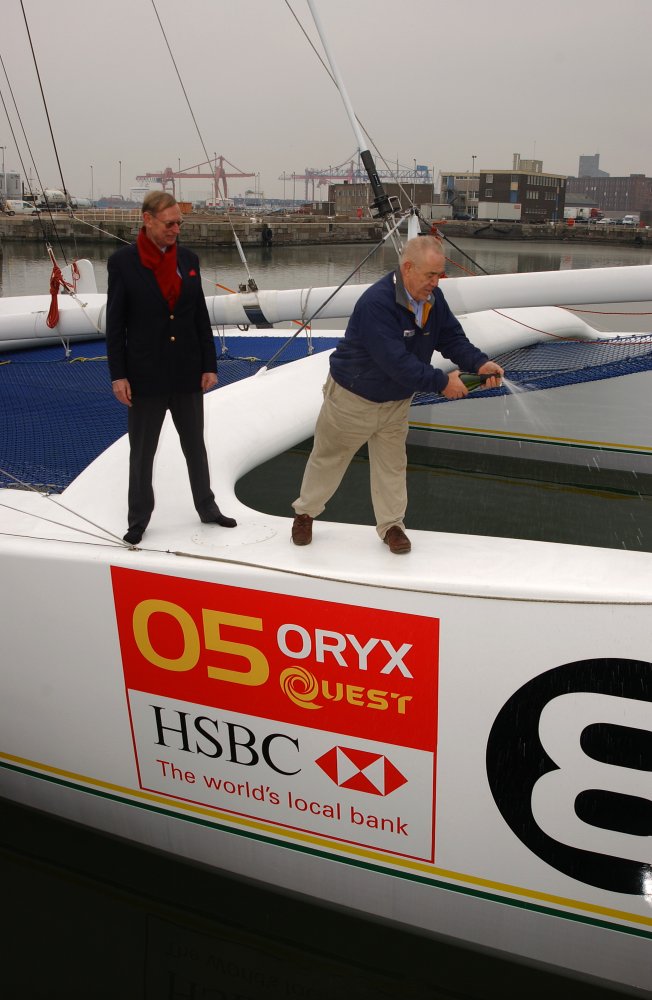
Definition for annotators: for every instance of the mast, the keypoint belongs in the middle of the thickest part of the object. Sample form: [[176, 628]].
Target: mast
[[383, 205]]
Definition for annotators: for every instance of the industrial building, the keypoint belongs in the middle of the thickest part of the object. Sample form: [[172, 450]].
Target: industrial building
[[616, 196], [526, 193], [353, 199], [459, 189]]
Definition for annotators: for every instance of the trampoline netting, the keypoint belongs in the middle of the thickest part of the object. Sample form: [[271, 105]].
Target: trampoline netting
[[57, 414]]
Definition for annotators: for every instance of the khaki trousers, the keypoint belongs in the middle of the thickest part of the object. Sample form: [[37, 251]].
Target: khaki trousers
[[345, 423]]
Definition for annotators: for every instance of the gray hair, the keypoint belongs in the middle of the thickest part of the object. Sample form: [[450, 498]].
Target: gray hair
[[157, 201], [415, 249]]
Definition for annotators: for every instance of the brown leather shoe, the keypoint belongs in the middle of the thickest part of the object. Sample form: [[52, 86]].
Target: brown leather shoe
[[302, 529], [397, 540]]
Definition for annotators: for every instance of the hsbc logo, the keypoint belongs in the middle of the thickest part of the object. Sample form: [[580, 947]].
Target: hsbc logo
[[569, 764], [361, 771]]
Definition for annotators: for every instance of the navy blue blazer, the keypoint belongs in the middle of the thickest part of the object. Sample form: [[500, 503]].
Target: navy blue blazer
[[159, 350]]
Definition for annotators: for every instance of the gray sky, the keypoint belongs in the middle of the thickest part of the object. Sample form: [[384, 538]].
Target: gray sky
[[432, 82]]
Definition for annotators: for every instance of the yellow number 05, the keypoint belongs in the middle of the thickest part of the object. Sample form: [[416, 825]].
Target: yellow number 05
[[189, 657]]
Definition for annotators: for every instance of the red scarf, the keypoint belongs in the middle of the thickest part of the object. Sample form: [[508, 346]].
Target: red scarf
[[164, 266]]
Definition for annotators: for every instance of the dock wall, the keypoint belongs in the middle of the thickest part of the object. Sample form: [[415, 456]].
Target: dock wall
[[216, 231]]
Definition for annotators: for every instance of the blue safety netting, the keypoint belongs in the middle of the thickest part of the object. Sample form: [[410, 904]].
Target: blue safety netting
[[57, 414], [558, 363]]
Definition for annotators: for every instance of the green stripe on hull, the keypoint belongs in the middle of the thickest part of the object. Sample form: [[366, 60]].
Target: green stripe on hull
[[550, 442], [341, 859]]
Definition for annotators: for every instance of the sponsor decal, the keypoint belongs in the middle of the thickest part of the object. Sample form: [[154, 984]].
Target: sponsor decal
[[359, 769], [569, 763], [298, 712]]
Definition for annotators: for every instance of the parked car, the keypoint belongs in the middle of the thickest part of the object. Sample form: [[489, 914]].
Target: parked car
[[14, 207], [629, 220], [608, 222]]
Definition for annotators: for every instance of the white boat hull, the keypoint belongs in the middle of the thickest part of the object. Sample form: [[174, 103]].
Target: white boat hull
[[602, 424], [405, 737]]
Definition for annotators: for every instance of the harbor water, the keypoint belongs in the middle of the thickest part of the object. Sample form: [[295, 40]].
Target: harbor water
[[88, 916], [26, 269]]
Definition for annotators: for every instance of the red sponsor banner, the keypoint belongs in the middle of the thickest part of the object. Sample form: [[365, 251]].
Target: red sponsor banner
[[334, 667]]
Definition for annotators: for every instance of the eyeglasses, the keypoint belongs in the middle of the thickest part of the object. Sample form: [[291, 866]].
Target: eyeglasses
[[175, 222]]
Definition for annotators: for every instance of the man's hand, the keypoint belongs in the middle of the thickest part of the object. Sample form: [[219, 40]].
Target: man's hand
[[491, 368], [208, 381], [454, 388], [122, 391]]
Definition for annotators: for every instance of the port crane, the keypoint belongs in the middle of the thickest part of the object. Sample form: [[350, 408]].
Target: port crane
[[351, 173], [216, 173]]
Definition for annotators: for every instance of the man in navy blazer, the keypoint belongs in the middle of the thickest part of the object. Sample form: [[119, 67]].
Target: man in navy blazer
[[161, 356]]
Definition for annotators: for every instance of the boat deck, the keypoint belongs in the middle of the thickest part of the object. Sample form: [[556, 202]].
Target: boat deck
[[239, 439]]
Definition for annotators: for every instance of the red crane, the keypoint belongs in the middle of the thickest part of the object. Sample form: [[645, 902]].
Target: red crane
[[217, 174]]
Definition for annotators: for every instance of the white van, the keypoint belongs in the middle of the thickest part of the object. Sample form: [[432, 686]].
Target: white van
[[20, 208]]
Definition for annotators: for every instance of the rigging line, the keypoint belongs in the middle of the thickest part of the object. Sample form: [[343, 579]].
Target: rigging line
[[397, 585], [47, 115], [463, 254], [20, 157], [48, 496], [389, 170], [98, 229], [63, 541], [546, 333], [603, 312], [346, 280], [201, 139], [441, 235], [378, 152], [61, 524], [87, 520], [333, 80], [176, 68]]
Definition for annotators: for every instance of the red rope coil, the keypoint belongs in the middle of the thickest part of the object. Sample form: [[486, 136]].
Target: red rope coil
[[58, 281]]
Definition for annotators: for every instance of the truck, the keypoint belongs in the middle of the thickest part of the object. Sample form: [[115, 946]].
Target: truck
[[499, 211], [53, 198], [581, 214], [434, 212]]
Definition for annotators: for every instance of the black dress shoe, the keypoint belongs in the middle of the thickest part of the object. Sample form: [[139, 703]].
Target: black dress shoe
[[133, 536], [217, 517]]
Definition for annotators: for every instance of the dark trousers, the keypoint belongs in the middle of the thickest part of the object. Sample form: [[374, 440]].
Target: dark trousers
[[146, 415]]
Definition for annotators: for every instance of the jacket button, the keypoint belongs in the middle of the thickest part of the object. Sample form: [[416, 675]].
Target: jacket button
[[173, 339], [171, 315]]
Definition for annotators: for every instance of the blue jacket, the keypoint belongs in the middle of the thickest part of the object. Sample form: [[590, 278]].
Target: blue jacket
[[385, 356]]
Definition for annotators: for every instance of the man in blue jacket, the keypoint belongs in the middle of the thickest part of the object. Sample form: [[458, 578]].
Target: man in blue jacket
[[161, 356], [382, 360]]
